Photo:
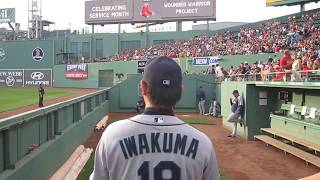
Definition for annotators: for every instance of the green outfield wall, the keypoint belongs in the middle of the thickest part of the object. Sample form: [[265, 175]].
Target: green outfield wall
[[58, 130], [19, 54], [124, 96], [96, 77]]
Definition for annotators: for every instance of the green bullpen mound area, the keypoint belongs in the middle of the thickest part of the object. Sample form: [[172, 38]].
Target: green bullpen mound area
[[13, 98]]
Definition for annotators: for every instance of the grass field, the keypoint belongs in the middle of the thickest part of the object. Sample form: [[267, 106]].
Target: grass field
[[13, 98], [191, 120]]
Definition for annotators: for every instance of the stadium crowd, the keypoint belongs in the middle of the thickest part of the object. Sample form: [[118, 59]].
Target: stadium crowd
[[301, 66], [299, 34]]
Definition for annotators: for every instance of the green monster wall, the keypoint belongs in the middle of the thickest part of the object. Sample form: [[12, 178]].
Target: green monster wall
[[18, 54], [59, 80]]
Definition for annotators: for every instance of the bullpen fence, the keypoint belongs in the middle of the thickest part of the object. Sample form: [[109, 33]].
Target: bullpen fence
[[25, 77], [35, 144]]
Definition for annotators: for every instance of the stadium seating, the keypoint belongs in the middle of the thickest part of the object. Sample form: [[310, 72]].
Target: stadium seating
[[266, 37]]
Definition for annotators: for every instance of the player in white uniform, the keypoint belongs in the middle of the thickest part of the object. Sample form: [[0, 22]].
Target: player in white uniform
[[156, 145]]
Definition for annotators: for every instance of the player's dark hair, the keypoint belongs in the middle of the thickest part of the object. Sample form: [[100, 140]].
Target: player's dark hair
[[164, 97]]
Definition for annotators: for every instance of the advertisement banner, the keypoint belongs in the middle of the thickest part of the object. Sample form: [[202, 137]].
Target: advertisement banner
[[76, 71], [128, 11], [7, 15], [34, 77], [205, 61], [11, 78], [142, 64]]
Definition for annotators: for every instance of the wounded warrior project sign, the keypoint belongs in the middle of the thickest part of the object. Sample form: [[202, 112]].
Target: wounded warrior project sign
[[76, 71], [11, 78], [128, 11]]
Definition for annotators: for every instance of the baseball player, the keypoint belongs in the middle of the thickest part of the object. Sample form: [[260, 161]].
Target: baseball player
[[237, 108], [40, 93], [201, 95], [156, 145]]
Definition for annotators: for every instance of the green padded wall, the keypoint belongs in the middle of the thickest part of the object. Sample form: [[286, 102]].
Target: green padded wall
[[59, 80], [312, 98], [1, 152], [72, 129], [124, 96], [19, 54]]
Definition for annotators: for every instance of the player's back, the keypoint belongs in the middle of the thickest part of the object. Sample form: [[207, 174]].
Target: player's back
[[148, 147]]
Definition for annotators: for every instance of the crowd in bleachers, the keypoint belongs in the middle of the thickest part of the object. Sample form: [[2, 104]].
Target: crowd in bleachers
[[301, 66], [296, 33]]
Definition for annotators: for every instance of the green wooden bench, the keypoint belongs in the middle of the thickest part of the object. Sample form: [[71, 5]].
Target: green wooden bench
[[293, 139], [307, 157]]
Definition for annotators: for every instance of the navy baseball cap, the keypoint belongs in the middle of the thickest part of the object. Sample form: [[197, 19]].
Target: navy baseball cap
[[162, 72]]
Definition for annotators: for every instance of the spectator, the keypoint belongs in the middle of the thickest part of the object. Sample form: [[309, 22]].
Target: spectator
[[296, 68], [280, 74], [286, 61]]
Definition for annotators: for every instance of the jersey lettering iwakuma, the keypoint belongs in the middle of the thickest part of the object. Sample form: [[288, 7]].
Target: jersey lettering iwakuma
[[154, 147]]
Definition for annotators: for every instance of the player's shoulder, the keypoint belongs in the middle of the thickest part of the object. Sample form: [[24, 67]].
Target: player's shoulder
[[115, 129], [199, 135]]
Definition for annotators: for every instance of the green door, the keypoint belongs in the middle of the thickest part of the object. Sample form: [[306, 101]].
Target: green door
[[105, 78]]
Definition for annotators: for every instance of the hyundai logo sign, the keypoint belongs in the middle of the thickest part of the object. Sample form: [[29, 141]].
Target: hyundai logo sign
[[37, 76]]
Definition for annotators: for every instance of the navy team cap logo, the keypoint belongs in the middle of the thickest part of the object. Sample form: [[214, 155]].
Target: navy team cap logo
[[37, 54]]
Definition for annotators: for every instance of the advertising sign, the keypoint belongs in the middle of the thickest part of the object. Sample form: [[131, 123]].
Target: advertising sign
[[34, 77], [205, 61], [142, 64], [7, 15], [11, 78], [37, 54], [128, 11], [76, 71]]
